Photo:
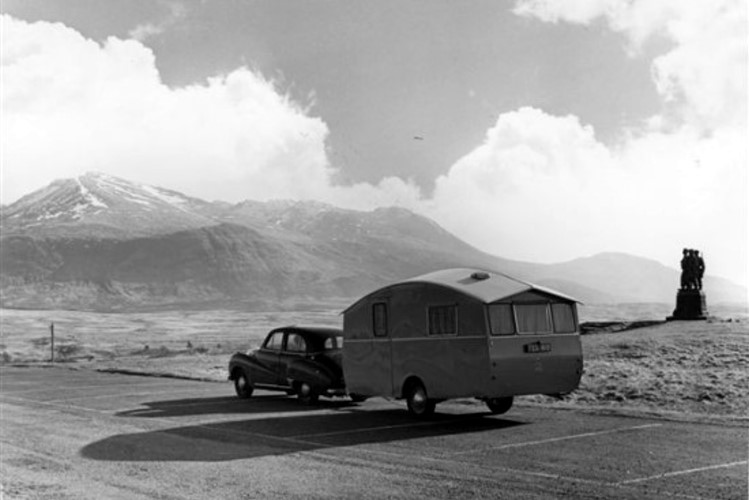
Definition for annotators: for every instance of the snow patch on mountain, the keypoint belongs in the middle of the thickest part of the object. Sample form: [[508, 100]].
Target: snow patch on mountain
[[89, 197], [165, 197]]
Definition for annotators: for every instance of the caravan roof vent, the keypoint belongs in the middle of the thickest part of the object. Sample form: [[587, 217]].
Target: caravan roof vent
[[480, 275]]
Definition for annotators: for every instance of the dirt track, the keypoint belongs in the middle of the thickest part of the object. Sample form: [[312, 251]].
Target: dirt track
[[83, 434]]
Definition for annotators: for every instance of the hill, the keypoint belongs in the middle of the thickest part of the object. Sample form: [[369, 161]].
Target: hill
[[103, 243]]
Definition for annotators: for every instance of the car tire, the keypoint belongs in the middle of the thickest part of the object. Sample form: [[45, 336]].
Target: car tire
[[418, 402], [242, 385], [307, 394], [498, 406], [358, 398]]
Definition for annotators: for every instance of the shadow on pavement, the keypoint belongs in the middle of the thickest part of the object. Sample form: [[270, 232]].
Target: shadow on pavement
[[222, 441], [228, 404]]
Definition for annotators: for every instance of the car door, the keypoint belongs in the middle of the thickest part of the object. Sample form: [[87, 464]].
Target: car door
[[266, 370], [295, 349]]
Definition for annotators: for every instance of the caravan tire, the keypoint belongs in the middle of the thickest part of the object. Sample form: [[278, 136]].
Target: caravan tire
[[419, 404], [498, 406]]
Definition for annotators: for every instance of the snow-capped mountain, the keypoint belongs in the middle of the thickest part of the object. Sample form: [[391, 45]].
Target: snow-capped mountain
[[100, 242], [96, 204]]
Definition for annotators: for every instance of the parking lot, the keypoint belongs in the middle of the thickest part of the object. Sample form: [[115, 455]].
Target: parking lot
[[83, 434]]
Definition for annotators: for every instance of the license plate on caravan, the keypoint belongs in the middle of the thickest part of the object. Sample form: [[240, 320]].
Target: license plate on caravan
[[537, 347]]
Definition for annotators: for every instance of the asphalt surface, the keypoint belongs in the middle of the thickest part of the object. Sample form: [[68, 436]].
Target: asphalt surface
[[81, 434]]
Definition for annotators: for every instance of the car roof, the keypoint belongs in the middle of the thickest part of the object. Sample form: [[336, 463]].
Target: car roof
[[318, 331]]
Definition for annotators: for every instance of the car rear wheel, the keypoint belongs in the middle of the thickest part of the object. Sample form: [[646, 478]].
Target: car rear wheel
[[242, 385], [498, 406], [307, 394], [418, 402], [357, 398]]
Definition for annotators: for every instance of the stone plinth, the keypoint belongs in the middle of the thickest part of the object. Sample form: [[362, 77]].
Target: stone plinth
[[690, 304]]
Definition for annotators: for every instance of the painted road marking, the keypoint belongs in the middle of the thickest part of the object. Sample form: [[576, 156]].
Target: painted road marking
[[82, 387], [683, 472], [380, 428], [121, 395], [556, 439]]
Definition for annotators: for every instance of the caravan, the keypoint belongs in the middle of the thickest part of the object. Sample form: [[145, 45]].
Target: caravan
[[461, 333]]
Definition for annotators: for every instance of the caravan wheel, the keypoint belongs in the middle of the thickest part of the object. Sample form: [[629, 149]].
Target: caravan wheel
[[498, 406], [419, 405]]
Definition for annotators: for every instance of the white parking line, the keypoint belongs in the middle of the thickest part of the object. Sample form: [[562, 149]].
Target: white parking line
[[122, 395], [96, 386], [683, 472], [16, 399], [379, 428], [554, 440]]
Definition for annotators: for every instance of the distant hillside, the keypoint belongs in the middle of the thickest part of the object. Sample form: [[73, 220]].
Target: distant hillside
[[627, 278], [99, 242]]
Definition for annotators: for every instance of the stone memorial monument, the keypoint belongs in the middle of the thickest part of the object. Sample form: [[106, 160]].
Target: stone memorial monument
[[690, 299]]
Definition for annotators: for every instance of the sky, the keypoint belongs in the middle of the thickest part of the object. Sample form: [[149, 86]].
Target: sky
[[535, 130]]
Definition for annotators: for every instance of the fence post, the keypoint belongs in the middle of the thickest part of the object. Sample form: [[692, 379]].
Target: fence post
[[52, 343]]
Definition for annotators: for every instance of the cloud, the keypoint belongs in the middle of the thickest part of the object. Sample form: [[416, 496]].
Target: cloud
[[142, 32], [538, 188], [72, 105], [703, 76], [542, 188]]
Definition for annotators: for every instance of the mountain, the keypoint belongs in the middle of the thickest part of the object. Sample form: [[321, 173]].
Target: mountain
[[627, 278], [103, 243], [98, 205]]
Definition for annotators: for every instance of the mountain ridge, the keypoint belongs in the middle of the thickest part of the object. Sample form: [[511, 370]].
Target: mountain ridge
[[100, 242]]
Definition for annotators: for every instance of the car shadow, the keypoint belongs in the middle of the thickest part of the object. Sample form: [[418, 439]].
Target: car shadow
[[234, 440], [228, 405]]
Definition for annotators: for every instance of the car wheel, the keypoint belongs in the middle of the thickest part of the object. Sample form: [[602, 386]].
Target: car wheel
[[357, 398], [498, 406], [242, 386], [307, 394], [418, 402]]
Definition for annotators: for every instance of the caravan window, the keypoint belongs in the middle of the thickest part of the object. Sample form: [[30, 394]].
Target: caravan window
[[564, 318], [443, 320], [533, 318], [500, 319], [380, 319]]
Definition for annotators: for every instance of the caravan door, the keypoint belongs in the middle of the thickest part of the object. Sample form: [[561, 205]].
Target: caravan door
[[367, 350]]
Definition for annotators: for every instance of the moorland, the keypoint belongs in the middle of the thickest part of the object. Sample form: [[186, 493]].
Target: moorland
[[635, 361]]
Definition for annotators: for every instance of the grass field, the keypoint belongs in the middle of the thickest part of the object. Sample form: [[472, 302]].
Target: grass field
[[679, 368]]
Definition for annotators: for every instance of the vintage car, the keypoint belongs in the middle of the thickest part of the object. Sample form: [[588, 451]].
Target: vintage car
[[297, 360]]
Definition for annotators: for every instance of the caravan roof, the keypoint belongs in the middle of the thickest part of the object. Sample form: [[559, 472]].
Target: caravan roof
[[486, 286]]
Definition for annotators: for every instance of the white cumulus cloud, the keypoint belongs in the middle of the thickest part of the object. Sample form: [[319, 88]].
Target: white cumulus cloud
[[72, 105], [542, 187]]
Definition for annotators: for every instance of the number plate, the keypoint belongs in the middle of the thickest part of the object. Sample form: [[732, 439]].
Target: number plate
[[537, 347]]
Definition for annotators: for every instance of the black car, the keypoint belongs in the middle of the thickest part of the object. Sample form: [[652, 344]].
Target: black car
[[298, 360]]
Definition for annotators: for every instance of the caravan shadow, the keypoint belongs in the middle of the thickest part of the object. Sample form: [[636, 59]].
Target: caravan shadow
[[234, 440], [228, 405]]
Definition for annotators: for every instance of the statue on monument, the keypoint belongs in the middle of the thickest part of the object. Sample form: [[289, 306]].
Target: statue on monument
[[690, 299], [692, 269]]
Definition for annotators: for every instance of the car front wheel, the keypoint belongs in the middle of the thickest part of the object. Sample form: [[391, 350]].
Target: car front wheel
[[307, 394], [242, 386], [418, 403]]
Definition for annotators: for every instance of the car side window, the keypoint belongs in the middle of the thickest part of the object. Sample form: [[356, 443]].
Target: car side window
[[296, 343], [274, 342], [333, 343]]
